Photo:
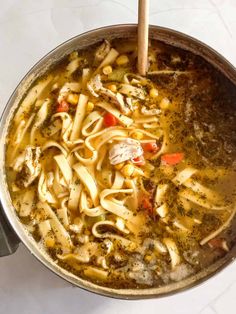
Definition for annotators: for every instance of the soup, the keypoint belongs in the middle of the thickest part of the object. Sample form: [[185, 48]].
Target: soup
[[124, 180]]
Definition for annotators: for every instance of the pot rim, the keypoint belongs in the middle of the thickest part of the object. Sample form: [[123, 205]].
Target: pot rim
[[175, 38]]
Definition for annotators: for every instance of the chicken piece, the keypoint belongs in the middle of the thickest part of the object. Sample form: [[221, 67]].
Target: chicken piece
[[95, 85], [96, 89], [30, 168], [129, 102], [127, 149], [116, 99], [101, 52], [66, 89], [150, 112]]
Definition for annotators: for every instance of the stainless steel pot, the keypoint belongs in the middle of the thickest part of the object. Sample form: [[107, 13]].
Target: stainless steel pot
[[11, 229]]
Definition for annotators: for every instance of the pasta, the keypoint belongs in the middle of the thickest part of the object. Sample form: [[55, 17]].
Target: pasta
[[121, 177]]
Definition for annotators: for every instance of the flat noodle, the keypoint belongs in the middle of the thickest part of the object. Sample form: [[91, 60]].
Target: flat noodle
[[197, 199], [160, 193], [101, 158], [66, 128], [44, 228], [86, 73], [50, 144], [57, 187], [153, 125], [27, 203], [104, 178], [94, 272], [20, 134], [75, 191], [147, 119], [88, 182], [197, 187], [61, 234], [94, 119], [79, 116], [91, 212], [185, 204], [220, 229], [117, 209], [184, 175], [164, 147], [64, 167], [73, 66], [119, 116], [132, 184], [145, 133], [63, 216], [118, 181], [52, 129], [102, 138], [39, 119], [33, 94], [169, 72], [43, 191], [173, 251], [123, 241]]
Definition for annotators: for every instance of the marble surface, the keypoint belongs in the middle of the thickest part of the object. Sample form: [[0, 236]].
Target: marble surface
[[28, 30]]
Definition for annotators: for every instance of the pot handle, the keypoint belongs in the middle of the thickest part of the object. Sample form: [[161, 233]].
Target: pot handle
[[9, 241]]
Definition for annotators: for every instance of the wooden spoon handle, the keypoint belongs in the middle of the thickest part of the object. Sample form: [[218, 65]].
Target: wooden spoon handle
[[143, 21]]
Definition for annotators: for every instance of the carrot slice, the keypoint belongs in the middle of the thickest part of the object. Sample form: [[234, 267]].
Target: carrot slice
[[172, 159], [63, 106], [150, 147], [109, 119]]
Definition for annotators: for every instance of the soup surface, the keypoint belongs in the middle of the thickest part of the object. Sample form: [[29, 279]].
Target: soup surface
[[124, 180]]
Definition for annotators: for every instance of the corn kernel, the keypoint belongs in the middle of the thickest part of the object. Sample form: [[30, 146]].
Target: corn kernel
[[128, 170], [165, 103], [148, 258], [112, 87], [122, 60], [107, 70], [73, 99], [49, 241], [137, 135], [90, 106], [153, 93], [119, 166]]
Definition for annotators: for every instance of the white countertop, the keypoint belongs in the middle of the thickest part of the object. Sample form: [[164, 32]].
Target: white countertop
[[28, 30]]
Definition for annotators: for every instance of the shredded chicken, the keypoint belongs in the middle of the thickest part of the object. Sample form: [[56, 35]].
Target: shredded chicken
[[129, 102], [128, 149], [102, 52], [150, 112], [97, 89], [95, 85], [133, 91], [28, 166]]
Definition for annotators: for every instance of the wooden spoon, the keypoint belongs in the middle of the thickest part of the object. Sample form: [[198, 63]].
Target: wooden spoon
[[143, 21]]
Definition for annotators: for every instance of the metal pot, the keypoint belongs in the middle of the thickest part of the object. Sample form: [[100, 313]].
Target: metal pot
[[11, 229]]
